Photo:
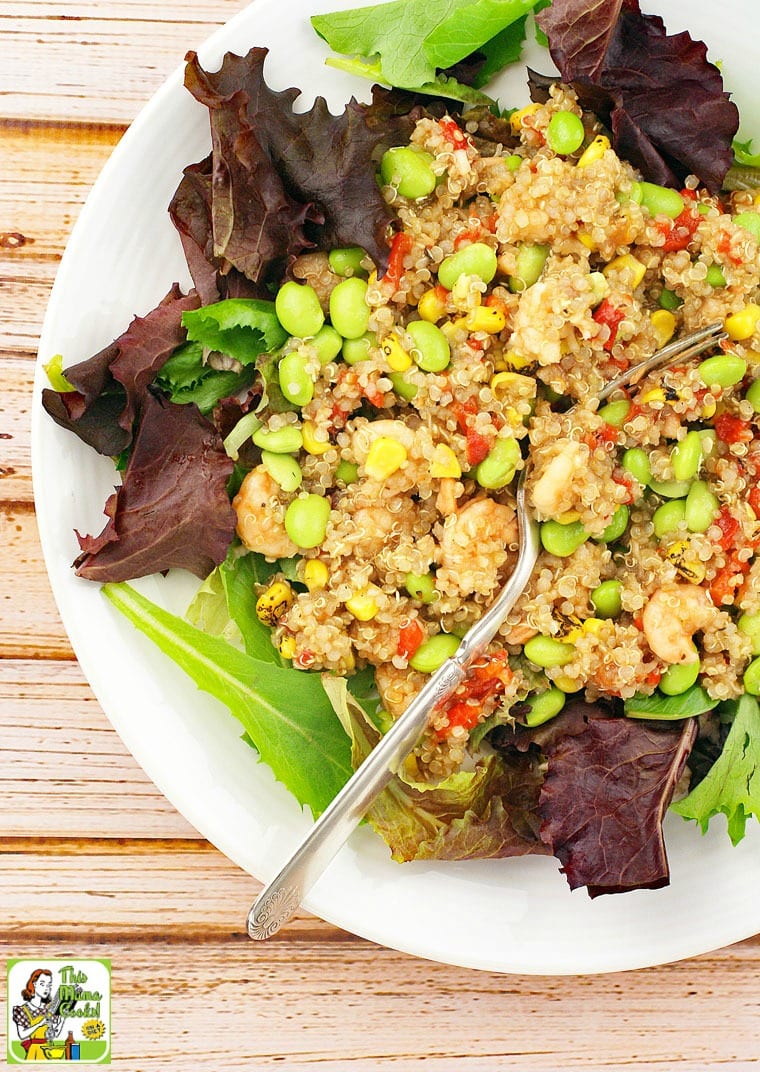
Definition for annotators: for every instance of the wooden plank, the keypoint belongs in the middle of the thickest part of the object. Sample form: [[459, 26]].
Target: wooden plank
[[16, 378]]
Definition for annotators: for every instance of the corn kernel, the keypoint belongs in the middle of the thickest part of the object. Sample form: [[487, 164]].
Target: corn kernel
[[655, 395], [315, 574], [431, 305], [587, 241], [594, 151], [566, 683], [742, 325], [708, 410], [287, 648], [690, 569], [516, 118], [514, 417], [273, 603], [594, 626], [664, 324], [752, 356], [515, 360], [502, 381], [444, 463], [451, 328], [399, 359], [362, 605], [384, 457], [311, 444], [569, 517], [628, 264], [486, 318]]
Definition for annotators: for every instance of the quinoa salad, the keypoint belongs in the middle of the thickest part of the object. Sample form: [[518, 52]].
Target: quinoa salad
[[361, 465]]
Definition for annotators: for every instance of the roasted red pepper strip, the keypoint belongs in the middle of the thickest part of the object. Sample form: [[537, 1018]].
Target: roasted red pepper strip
[[732, 429], [728, 579], [680, 231], [400, 246], [611, 315], [410, 636]]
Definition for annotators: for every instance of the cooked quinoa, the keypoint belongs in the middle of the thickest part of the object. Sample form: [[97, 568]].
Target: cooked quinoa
[[418, 542]]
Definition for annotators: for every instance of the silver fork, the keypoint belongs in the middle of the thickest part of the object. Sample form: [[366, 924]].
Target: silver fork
[[281, 897]]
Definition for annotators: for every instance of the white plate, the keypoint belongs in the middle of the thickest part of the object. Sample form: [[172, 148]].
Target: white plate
[[513, 915]]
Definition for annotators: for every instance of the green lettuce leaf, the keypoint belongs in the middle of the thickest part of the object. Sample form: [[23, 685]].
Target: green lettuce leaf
[[240, 327], [732, 785], [185, 378], [284, 712], [695, 701]]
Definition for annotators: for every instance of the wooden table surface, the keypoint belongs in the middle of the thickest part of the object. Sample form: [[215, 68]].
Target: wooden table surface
[[95, 862]]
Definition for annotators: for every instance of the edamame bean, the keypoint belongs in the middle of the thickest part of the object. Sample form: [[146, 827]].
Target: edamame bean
[[298, 309], [636, 462], [295, 382], [723, 370], [306, 520], [668, 517], [529, 264], [750, 221], [562, 540], [752, 678], [402, 387], [679, 677], [327, 343], [686, 456], [433, 652], [349, 311], [670, 489], [498, 467], [715, 276], [606, 598], [546, 651], [347, 472], [347, 261], [476, 259], [616, 527], [749, 624], [356, 350], [709, 439], [285, 440], [431, 352], [700, 508], [753, 395], [615, 413], [409, 170], [513, 162], [661, 200], [283, 469], [565, 133], [669, 300], [544, 706], [421, 586]]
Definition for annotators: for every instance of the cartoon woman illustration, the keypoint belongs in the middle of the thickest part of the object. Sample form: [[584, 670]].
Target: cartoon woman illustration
[[37, 1020]]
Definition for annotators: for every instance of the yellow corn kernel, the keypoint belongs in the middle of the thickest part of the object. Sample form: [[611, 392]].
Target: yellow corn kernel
[[594, 626], [664, 324], [315, 574], [384, 457], [569, 517], [451, 328], [287, 648], [515, 360], [569, 624], [566, 683], [516, 118], [708, 410], [655, 395], [742, 325], [514, 417], [594, 151], [690, 569], [444, 463], [628, 264], [362, 605], [399, 359], [752, 356], [273, 603], [587, 241], [486, 318], [311, 444], [502, 381], [431, 306]]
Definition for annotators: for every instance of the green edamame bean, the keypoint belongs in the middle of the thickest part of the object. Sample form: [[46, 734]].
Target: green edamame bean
[[513, 162], [283, 469], [562, 540], [669, 300], [529, 264], [668, 517], [615, 413], [679, 677], [753, 395], [670, 489], [565, 133], [285, 440], [433, 652], [544, 706], [715, 276], [409, 170], [700, 508], [476, 259], [402, 387], [750, 221], [347, 472], [636, 462], [616, 527], [421, 586], [356, 350], [661, 200], [686, 456], [347, 261], [306, 520], [298, 309], [431, 352], [498, 467], [752, 678], [606, 598], [295, 382], [349, 311], [546, 651], [749, 624], [709, 439], [725, 370], [327, 343]]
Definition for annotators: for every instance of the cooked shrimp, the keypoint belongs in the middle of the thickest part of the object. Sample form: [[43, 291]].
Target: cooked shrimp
[[553, 491], [260, 512], [446, 499], [475, 545], [672, 616]]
